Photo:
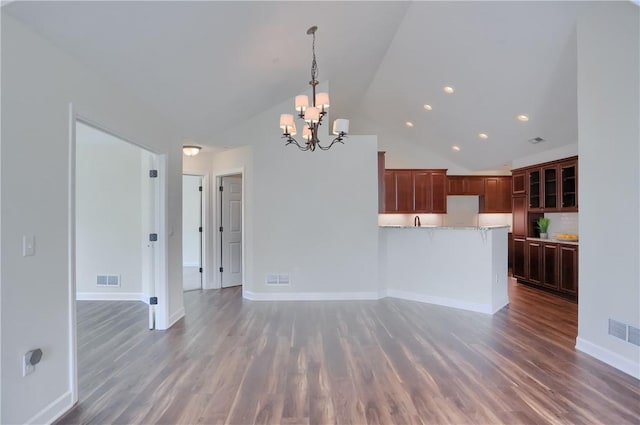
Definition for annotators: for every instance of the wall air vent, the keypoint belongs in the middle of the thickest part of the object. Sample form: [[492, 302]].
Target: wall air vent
[[634, 335], [112, 280], [618, 329], [536, 140], [279, 279]]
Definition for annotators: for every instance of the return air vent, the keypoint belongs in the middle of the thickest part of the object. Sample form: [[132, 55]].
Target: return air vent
[[536, 140], [278, 279], [112, 280], [634, 335], [617, 329]]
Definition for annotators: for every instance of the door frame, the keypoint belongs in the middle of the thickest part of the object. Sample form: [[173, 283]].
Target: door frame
[[206, 232], [161, 270], [218, 238]]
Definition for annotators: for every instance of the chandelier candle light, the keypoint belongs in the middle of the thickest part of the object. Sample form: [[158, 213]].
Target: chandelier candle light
[[312, 115]]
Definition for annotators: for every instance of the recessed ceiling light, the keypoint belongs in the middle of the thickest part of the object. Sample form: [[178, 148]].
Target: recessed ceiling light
[[523, 118], [409, 124], [427, 107], [456, 148], [483, 136], [448, 89]]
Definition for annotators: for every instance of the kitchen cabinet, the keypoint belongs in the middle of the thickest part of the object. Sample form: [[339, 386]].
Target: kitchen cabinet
[[465, 185], [568, 282], [519, 255], [548, 265], [519, 215], [398, 191], [497, 195], [551, 187], [518, 183], [415, 191], [533, 263], [381, 181]]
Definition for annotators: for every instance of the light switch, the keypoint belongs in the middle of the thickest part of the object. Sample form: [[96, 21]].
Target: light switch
[[28, 245]]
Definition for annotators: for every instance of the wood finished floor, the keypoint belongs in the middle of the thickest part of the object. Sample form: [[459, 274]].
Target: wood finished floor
[[232, 361]]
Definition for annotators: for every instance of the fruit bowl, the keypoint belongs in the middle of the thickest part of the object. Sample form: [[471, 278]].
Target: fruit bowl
[[569, 237]]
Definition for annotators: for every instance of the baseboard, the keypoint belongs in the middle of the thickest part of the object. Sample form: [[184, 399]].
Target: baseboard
[[175, 317], [446, 302], [112, 296], [500, 305], [311, 296], [609, 357], [54, 410]]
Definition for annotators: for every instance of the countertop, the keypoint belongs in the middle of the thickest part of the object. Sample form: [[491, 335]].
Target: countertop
[[446, 227], [554, 240]]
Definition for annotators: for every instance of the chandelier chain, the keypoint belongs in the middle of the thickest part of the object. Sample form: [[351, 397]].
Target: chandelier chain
[[314, 63]]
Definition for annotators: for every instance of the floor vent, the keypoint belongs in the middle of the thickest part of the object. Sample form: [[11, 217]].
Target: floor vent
[[112, 280], [277, 279]]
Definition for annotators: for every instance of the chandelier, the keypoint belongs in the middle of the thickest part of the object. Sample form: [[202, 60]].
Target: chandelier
[[312, 115]]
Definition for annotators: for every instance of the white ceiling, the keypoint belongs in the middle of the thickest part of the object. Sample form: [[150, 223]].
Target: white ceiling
[[210, 66]]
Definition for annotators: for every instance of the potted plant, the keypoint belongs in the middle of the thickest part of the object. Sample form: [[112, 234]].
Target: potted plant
[[543, 226]]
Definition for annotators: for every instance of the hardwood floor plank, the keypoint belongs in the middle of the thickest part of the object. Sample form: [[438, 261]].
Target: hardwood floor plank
[[233, 361]]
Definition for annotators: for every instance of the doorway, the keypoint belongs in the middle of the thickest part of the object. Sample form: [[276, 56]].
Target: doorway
[[231, 230], [192, 232], [118, 250]]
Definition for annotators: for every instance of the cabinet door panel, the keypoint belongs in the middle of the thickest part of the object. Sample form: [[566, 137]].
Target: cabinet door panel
[[474, 185], [534, 256], [569, 186], [519, 258], [519, 182], [550, 186], [455, 185], [422, 191], [390, 204], [569, 269], [535, 190], [550, 271], [519, 204], [404, 189], [438, 193]]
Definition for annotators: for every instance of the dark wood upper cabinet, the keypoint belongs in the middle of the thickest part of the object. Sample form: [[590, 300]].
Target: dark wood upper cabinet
[[550, 187], [497, 195], [519, 183], [439, 192], [465, 185], [415, 191], [381, 182]]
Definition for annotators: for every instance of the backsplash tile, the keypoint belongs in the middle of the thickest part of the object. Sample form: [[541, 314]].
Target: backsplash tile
[[562, 223]]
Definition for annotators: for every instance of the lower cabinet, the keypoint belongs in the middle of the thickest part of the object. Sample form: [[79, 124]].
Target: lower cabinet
[[549, 265]]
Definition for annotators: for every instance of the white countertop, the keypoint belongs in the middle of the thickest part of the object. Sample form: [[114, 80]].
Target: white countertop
[[397, 226], [554, 240]]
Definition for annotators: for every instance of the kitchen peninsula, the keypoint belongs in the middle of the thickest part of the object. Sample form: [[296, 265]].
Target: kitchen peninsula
[[461, 267]]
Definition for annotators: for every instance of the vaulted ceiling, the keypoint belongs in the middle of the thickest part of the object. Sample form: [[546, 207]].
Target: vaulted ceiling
[[210, 66]]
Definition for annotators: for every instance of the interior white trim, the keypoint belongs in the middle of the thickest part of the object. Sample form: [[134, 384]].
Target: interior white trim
[[207, 228], [176, 316], [53, 410], [310, 296], [112, 296], [446, 302], [609, 357]]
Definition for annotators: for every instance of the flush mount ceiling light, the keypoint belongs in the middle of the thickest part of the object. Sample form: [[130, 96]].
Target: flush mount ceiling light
[[427, 107], [312, 115], [448, 90], [191, 150], [523, 118], [483, 136]]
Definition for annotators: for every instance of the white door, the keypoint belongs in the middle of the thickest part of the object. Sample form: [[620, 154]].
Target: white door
[[191, 232], [231, 231]]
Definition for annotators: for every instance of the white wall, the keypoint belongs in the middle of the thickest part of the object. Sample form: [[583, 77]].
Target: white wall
[[38, 83], [191, 221], [609, 128], [310, 214], [108, 212]]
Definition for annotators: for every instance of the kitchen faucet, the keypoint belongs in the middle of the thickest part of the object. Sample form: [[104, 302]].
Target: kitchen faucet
[[416, 221]]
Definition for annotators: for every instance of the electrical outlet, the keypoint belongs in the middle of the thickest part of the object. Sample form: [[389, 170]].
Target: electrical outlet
[[27, 367]]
